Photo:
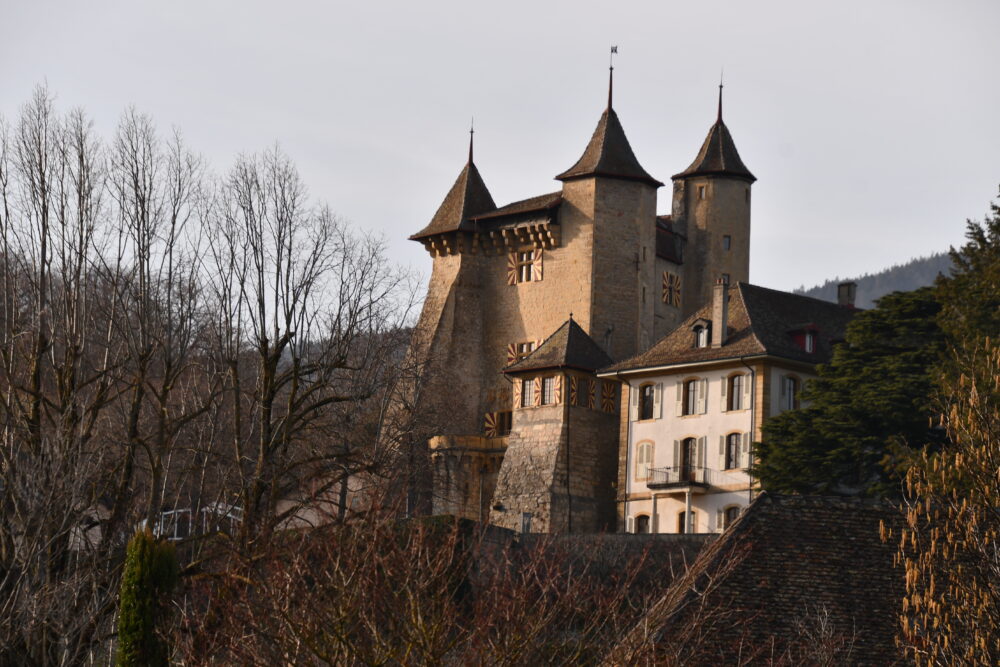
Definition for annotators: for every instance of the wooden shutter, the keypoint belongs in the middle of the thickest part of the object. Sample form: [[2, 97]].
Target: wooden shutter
[[633, 402], [538, 392], [720, 520], [536, 265], [512, 268], [677, 454], [747, 390], [782, 388], [658, 400], [517, 392], [725, 389], [591, 394], [630, 525], [511, 353], [679, 405], [745, 454], [722, 452], [491, 427], [702, 446], [608, 396], [702, 396], [557, 384]]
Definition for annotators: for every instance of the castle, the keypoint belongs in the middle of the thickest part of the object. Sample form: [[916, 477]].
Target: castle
[[527, 301]]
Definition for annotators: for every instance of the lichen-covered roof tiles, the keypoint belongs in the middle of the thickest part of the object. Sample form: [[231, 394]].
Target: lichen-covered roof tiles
[[568, 347], [761, 321], [609, 154], [790, 566]]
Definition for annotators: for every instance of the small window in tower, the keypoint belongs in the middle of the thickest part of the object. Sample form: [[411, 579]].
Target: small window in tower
[[727, 242], [524, 349], [548, 390], [527, 393], [725, 278], [702, 192], [524, 262]]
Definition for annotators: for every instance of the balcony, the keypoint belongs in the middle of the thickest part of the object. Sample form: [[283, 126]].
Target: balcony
[[683, 478]]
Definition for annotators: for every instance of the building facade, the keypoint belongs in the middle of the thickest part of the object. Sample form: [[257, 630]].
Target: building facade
[[592, 260], [698, 398]]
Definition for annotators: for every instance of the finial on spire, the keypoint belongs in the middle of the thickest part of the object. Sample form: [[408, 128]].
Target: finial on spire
[[611, 73], [720, 95], [472, 131]]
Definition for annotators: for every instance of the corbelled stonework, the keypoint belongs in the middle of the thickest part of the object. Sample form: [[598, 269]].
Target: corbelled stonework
[[590, 266]]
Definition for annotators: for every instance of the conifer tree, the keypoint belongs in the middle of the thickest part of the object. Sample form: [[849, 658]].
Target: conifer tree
[[868, 410], [151, 572]]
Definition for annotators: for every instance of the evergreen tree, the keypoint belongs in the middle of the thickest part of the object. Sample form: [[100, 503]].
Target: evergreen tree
[[151, 572], [868, 407]]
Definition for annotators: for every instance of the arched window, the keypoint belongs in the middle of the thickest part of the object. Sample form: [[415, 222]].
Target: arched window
[[642, 524], [730, 515], [643, 460], [685, 523], [732, 451], [646, 395]]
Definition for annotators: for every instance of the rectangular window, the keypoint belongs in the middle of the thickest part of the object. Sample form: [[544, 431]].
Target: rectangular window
[[527, 393], [727, 242], [524, 262], [736, 392], [524, 349], [548, 386], [725, 278], [701, 192]]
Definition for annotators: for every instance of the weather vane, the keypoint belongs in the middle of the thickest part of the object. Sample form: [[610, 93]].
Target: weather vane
[[611, 72]]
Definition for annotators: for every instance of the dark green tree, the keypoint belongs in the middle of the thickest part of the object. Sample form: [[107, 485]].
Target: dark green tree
[[870, 408], [151, 572], [970, 296]]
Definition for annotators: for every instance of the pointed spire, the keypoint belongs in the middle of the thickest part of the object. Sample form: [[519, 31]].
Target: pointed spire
[[468, 197], [472, 132], [569, 346], [611, 74], [718, 155]]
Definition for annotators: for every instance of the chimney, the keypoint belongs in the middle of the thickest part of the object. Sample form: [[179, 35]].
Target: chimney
[[720, 312], [846, 293]]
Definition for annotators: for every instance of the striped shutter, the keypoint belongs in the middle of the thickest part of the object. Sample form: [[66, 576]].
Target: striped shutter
[[512, 268], [557, 384], [725, 390], [490, 427], [536, 265], [608, 395], [517, 393], [538, 392], [591, 394], [573, 390], [511, 353]]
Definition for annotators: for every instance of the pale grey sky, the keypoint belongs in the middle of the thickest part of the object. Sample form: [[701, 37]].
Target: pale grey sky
[[871, 125]]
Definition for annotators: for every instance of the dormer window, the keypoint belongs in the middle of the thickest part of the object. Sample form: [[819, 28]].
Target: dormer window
[[701, 336], [810, 342]]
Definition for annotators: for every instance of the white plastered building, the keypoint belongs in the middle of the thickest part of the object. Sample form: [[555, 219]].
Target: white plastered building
[[698, 397]]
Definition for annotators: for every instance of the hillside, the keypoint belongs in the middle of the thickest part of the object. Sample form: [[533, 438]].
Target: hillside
[[901, 277]]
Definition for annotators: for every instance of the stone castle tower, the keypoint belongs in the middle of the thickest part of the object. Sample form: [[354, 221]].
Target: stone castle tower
[[527, 300]]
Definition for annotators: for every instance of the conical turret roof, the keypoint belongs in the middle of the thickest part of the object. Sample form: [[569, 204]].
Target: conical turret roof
[[467, 198], [718, 155], [609, 154]]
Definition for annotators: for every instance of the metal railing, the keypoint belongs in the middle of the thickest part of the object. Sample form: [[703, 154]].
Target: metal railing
[[681, 475]]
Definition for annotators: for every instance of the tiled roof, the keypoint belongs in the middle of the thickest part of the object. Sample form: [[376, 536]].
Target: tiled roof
[[778, 570], [609, 154], [760, 322], [568, 347], [718, 157], [467, 198], [539, 203]]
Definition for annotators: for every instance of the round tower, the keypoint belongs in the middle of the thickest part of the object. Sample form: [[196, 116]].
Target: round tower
[[711, 207]]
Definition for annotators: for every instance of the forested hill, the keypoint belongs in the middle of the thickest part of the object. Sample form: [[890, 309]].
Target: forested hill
[[901, 277]]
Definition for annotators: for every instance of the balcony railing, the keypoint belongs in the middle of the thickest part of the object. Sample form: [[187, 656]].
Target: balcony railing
[[679, 476]]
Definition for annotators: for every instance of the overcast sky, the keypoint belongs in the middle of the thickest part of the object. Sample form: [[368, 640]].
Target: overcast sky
[[871, 126]]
